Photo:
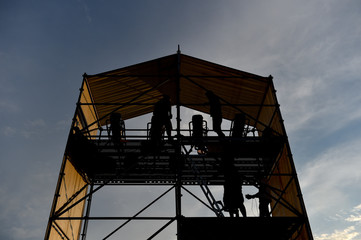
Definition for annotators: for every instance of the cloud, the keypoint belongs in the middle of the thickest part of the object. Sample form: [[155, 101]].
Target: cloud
[[355, 216], [331, 182], [315, 68], [8, 107], [357, 208], [327, 178], [86, 10], [9, 131], [35, 123], [25, 233], [33, 128], [349, 232], [24, 199], [63, 125], [346, 234]]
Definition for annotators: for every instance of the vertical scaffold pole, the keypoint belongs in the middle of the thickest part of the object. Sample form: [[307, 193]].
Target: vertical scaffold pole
[[87, 213], [178, 194]]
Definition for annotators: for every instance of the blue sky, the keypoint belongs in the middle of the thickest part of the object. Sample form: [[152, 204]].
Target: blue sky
[[312, 49]]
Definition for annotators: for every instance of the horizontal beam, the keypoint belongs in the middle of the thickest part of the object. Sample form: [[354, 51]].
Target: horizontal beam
[[114, 218], [182, 104]]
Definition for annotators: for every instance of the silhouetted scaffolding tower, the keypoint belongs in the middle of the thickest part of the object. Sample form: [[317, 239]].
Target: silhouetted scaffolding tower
[[102, 152]]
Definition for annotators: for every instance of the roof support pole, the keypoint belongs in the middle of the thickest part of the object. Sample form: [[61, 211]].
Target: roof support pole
[[85, 224], [178, 185], [178, 92]]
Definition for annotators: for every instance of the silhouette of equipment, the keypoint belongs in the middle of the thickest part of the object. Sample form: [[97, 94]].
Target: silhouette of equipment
[[198, 130]]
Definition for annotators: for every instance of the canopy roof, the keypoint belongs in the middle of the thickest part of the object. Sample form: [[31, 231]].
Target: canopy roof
[[133, 90]]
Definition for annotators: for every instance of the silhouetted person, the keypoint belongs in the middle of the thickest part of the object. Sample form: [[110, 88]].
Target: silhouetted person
[[162, 116], [232, 196], [215, 112], [117, 128], [239, 123], [264, 201]]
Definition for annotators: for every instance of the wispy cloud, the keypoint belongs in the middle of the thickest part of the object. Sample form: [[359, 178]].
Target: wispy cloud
[[316, 68], [86, 10], [35, 123], [329, 176], [20, 202], [8, 107], [355, 216], [329, 182], [351, 232], [33, 128], [346, 234], [8, 131]]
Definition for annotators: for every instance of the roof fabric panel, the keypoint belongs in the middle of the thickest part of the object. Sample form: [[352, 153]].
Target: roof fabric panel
[[237, 90], [70, 185], [133, 90]]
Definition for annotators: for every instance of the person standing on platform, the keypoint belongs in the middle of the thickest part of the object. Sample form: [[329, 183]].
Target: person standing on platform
[[162, 116], [264, 200], [233, 196], [215, 110]]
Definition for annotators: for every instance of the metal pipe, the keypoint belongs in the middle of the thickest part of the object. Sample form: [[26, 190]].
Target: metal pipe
[[178, 193], [161, 229], [85, 226]]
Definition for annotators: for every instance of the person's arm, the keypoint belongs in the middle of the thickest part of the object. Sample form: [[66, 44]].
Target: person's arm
[[249, 196]]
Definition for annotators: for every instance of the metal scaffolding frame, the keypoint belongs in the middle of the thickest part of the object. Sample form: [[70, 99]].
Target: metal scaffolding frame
[[176, 165]]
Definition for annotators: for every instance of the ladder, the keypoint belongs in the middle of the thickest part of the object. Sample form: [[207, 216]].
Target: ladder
[[216, 206]]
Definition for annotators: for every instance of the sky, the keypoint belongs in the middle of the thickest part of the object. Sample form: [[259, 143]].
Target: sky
[[311, 48]]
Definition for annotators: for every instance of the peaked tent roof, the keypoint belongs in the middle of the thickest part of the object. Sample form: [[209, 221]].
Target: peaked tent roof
[[133, 90]]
